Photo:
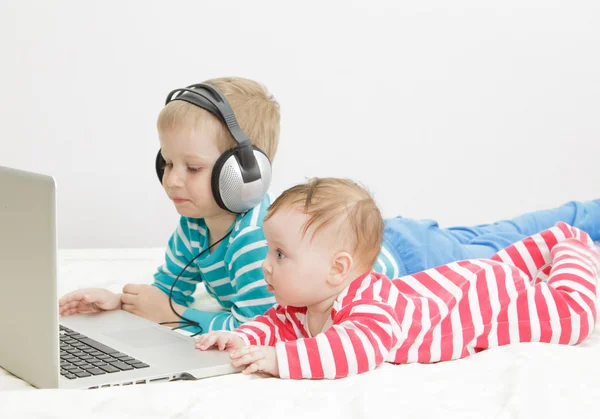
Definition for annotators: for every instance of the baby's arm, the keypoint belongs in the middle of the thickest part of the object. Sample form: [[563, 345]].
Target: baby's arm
[[363, 334], [267, 330]]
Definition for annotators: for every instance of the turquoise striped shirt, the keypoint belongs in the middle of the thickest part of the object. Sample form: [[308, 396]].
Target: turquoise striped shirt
[[232, 274], [386, 264]]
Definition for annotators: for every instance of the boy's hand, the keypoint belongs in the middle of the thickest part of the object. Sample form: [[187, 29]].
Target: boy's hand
[[88, 300], [223, 340], [258, 358], [149, 302]]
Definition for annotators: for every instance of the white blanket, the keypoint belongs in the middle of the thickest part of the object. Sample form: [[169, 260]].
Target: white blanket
[[526, 380]]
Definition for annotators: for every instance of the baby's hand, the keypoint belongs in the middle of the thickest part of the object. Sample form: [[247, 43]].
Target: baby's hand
[[223, 340], [88, 300], [258, 358]]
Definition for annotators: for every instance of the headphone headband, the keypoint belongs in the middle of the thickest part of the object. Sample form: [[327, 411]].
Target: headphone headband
[[214, 102]]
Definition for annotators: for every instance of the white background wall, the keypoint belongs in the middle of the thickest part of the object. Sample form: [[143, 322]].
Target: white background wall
[[463, 111]]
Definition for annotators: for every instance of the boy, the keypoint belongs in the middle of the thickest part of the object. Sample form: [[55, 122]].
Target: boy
[[192, 139], [335, 317]]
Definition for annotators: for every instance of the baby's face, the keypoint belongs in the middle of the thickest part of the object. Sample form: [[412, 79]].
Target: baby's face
[[190, 154], [296, 268]]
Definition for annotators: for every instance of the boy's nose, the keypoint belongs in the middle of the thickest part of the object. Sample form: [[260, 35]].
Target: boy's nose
[[174, 179]]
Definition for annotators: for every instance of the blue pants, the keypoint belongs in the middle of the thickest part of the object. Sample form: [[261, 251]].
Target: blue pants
[[422, 244]]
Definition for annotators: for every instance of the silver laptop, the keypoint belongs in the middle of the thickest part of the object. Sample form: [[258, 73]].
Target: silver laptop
[[79, 351]]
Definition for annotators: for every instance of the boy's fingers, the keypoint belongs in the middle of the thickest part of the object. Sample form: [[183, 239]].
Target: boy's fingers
[[128, 298], [70, 297], [68, 306], [131, 289]]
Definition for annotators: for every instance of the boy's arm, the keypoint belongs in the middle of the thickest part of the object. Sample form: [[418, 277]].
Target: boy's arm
[[178, 254], [243, 260], [360, 340]]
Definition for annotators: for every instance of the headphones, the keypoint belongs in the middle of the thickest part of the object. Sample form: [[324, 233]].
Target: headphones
[[241, 176]]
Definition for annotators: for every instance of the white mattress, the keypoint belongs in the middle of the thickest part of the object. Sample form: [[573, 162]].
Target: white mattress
[[526, 380]]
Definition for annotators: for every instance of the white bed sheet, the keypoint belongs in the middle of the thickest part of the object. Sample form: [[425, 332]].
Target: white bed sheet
[[526, 380]]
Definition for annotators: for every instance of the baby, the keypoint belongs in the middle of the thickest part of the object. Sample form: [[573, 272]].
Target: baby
[[335, 317]]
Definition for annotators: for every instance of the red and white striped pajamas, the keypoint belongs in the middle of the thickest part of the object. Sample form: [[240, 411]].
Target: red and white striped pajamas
[[541, 289]]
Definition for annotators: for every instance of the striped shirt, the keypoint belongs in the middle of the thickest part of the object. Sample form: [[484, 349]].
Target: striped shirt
[[385, 263], [541, 289], [232, 273]]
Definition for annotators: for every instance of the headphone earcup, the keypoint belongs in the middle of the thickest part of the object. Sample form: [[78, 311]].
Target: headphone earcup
[[160, 164], [228, 187]]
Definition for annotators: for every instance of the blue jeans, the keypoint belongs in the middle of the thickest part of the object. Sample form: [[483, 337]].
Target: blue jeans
[[422, 244]]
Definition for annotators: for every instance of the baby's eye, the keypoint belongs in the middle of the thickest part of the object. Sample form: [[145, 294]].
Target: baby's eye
[[194, 169], [280, 254], [168, 164]]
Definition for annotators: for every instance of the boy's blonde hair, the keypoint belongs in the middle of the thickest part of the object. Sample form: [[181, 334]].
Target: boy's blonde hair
[[338, 201], [254, 107]]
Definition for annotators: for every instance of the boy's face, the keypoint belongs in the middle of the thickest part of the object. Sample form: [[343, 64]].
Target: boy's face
[[190, 154], [296, 267]]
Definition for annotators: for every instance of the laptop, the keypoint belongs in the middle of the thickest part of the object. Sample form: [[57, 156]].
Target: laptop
[[83, 351]]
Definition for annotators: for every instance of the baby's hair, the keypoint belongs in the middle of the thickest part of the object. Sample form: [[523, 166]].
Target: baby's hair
[[254, 107], [341, 202]]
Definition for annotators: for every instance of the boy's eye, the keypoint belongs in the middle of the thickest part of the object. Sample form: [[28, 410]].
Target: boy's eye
[[280, 254]]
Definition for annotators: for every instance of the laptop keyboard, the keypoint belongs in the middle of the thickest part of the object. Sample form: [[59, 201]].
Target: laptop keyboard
[[82, 357]]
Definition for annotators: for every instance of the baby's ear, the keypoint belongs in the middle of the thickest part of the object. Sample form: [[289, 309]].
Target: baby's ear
[[340, 267]]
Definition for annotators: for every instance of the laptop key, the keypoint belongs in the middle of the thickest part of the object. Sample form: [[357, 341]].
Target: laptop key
[[71, 367], [87, 367], [99, 346], [119, 355], [108, 368], [96, 353], [121, 365], [96, 371], [64, 364], [71, 376], [98, 363], [139, 365], [83, 374]]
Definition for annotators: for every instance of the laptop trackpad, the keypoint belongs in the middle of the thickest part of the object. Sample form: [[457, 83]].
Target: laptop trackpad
[[142, 338]]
